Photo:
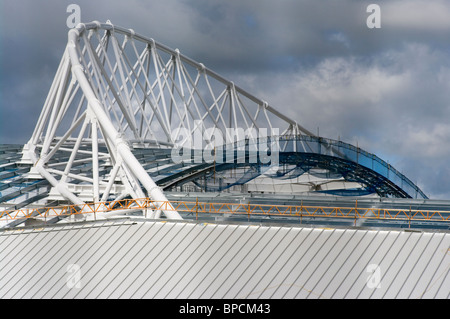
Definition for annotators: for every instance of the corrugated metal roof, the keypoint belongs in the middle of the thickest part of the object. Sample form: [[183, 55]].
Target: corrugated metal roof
[[155, 259]]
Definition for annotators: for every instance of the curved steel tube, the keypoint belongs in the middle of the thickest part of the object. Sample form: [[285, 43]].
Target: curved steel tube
[[132, 34]]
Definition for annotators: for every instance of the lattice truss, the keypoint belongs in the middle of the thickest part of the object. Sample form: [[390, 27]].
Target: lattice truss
[[116, 91]]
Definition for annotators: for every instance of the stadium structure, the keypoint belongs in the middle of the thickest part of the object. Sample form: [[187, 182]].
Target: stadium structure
[[148, 175]]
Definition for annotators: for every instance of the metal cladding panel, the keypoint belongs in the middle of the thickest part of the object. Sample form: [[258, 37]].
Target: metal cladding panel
[[420, 267], [216, 256], [247, 287], [154, 259], [196, 263]]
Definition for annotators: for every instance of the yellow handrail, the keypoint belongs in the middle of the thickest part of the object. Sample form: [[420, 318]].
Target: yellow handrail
[[195, 208]]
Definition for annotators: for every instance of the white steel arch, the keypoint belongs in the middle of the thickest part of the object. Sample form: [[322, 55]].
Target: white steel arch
[[116, 91]]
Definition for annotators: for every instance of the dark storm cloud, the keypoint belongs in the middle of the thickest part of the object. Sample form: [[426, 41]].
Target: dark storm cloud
[[386, 89]]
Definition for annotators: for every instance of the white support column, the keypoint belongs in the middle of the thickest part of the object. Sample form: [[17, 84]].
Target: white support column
[[95, 169], [108, 128]]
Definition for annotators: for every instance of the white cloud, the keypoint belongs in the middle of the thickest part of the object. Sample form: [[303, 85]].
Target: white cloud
[[427, 142], [394, 104], [342, 96]]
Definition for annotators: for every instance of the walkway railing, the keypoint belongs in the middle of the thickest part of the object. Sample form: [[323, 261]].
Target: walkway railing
[[199, 209], [356, 155]]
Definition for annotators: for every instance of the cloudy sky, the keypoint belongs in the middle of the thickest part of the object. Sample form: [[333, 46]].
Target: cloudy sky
[[386, 89]]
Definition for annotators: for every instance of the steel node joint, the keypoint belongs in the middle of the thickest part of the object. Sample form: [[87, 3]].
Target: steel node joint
[[121, 143], [74, 33], [202, 68]]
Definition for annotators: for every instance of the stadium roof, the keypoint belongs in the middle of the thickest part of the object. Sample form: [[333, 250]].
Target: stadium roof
[[133, 258]]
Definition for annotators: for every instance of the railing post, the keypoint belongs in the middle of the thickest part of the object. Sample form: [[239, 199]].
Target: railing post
[[409, 225], [301, 212], [196, 209]]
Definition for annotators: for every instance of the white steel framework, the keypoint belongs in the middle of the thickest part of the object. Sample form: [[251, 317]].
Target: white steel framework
[[115, 91]]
